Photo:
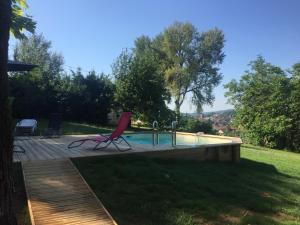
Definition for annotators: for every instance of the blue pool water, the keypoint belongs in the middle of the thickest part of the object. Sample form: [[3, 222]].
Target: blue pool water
[[165, 139]]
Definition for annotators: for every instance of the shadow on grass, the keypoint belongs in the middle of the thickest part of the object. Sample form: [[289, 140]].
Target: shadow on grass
[[20, 199], [248, 146], [138, 190]]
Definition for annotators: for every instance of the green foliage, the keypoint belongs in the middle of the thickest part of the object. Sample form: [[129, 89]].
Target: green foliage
[[267, 105], [21, 21], [140, 85], [294, 104], [191, 61], [87, 98], [49, 89], [191, 124], [180, 58], [35, 93]]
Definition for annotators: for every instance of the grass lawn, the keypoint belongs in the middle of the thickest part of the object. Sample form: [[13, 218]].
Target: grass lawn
[[68, 128], [20, 200], [263, 189]]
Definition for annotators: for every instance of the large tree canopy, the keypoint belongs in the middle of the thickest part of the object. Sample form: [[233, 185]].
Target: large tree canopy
[[294, 103], [39, 87], [140, 85], [86, 97], [267, 105], [50, 89], [191, 61], [179, 61]]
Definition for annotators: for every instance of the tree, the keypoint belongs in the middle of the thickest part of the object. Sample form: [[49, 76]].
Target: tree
[[191, 61], [191, 124], [9, 19], [40, 87], [140, 85], [87, 98], [294, 103], [266, 105]]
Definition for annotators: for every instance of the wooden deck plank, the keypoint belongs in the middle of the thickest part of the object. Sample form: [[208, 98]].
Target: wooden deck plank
[[28, 152], [44, 150], [61, 199], [61, 149], [34, 149], [38, 148], [53, 147]]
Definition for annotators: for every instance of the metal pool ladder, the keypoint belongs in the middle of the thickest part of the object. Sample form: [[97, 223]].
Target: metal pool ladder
[[173, 133], [154, 133]]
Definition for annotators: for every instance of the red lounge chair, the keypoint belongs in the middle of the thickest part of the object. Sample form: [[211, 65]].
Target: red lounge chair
[[115, 137]]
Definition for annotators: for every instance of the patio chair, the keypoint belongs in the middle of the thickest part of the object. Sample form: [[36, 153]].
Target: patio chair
[[54, 124], [114, 138], [26, 127]]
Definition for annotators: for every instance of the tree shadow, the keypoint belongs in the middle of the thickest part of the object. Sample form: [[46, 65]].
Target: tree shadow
[[139, 190], [19, 197]]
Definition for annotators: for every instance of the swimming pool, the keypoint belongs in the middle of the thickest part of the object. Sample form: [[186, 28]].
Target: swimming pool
[[185, 139], [189, 146]]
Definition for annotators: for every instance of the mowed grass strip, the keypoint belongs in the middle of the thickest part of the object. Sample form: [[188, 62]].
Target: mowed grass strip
[[20, 198], [263, 189]]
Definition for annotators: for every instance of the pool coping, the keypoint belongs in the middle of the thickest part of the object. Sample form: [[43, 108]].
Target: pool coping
[[229, 151], [234, 140]]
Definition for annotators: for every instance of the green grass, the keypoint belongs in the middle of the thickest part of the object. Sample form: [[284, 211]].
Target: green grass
[[68, 128], [263, 189], [20, 199]]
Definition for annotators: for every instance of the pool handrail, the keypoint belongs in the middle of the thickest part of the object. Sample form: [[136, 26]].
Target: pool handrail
[[154, 125], [173, 133]]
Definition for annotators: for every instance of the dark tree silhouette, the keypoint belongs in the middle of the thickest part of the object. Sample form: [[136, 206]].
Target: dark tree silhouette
[[7, 216]]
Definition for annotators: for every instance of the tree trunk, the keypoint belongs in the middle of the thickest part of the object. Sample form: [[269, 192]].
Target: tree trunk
[[177, 109], [7, 216]]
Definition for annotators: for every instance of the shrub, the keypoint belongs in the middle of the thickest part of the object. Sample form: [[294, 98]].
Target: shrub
[[190, 124]]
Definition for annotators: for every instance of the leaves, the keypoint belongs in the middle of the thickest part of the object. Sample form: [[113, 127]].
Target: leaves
[[191, 63], [47, 89], [265, 100], [21, 22], [140, 85]]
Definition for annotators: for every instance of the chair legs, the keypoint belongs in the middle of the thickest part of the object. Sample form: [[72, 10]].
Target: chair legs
[[99, 143], [20, 147], [80, 142], [123, 150], [96, 147], [115, 143]]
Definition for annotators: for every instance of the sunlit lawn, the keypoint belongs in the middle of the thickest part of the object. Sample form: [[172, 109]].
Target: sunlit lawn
[[263, 189]]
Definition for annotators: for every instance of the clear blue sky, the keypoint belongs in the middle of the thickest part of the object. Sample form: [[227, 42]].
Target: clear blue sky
[[92, 33]]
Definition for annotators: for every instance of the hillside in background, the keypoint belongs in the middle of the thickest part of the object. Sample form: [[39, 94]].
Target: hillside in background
[[221, 119], [218, 112]]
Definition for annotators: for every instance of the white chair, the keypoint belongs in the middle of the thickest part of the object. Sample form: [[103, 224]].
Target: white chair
[[26, 126]]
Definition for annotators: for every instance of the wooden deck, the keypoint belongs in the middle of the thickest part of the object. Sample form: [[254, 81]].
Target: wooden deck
[[57, 194], [56, 148]]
